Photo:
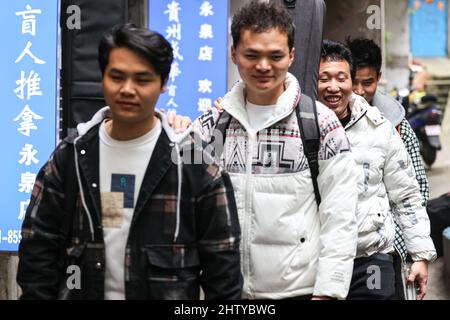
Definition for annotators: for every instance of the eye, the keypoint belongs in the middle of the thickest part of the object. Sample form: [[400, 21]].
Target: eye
[[115, 77], [277, 58], [143, 81], [251, 56]]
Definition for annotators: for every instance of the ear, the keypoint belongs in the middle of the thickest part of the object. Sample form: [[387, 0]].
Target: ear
[[164, 85], [291, 56], [233, 54], [379, 76]]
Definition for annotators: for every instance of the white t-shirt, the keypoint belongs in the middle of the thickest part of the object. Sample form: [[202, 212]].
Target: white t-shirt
[[258, 115], [122, 168]]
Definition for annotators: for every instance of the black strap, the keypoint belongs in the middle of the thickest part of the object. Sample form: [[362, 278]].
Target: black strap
[[309, 130]]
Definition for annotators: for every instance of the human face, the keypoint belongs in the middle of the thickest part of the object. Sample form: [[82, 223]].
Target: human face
[[335, 86], [131, 88], [366, 82], [263, 60]]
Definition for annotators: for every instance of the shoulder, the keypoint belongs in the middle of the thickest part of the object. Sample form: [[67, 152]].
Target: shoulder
[[333, 139], [325, 115], [327, 119], [405, 129], [208, 120]]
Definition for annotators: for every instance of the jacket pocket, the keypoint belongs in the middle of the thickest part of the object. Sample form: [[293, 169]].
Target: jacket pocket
[[173, 272]]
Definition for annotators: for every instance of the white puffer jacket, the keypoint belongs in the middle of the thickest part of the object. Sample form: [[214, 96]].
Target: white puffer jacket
[[386, 180], [289, 247]]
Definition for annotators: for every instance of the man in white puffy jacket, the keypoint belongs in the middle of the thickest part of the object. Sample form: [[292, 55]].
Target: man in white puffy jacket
[[290, 247], [386, 183]]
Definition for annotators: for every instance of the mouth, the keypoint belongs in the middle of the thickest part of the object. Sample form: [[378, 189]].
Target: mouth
[[262, 78], [127, 104], [333, 101]]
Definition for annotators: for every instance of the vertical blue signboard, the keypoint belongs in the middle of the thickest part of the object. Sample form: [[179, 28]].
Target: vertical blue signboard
[[428, 28], [197, 30], [28, 94]]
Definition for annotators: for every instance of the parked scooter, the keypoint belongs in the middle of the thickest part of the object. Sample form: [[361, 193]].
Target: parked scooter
[[425, 119]]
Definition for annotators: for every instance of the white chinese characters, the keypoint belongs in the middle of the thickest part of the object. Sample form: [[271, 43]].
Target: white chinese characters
[[28, 86], [29, 20]]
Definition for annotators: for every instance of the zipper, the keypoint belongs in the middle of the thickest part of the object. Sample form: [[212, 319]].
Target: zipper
[[354, 122], [248, 209]]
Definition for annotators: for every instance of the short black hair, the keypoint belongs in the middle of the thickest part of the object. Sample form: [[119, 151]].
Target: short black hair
[[336, 51], [146, 43], [366, 53], [261, 16]]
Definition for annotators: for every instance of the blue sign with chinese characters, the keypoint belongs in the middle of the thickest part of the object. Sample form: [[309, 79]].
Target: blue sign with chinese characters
[[198, 32], [29, 33]]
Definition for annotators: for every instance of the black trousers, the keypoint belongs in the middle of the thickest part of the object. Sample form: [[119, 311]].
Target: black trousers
[[373, 278]]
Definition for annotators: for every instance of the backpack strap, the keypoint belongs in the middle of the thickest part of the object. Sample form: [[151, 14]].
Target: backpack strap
[[309, 130]]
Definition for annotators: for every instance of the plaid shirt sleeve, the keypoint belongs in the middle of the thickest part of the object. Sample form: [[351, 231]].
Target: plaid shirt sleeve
[[412, 147]]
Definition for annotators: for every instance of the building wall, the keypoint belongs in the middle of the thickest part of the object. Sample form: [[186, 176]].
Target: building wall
[[233, 75], [351, 18], [397, 44]]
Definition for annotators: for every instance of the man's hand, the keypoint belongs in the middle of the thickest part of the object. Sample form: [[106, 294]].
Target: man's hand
[[217, 104], [178, 123], [419, 274]]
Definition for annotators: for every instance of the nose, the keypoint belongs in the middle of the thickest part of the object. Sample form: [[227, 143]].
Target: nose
[[333, 86], [127, 88], [263, 65], [358, 89]]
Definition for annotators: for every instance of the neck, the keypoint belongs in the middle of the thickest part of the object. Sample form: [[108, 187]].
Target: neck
[[128, 131], [345, 119], [344, 113]]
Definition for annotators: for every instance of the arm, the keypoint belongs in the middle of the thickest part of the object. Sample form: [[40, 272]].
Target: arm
[[218, 236], [338, 234], [412, 146], [407, 205], [42, 245]]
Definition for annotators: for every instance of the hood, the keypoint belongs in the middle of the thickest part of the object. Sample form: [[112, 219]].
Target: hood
[[105, 112], [360, 107], [234, 102], [389, 107]]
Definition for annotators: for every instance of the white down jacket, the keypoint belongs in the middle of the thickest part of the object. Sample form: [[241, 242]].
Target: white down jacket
[[387, 186], [289, 247]]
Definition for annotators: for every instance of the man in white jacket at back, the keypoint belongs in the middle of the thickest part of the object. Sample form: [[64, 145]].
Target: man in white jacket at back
[[291, 248]]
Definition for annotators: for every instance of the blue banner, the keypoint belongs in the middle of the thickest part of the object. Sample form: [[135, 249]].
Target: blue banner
[[28, 60], [198, 32]]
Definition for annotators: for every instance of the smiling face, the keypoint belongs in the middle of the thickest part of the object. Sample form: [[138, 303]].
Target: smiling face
[[366, 82], [335, 86], [131, 88], [263, 60]]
